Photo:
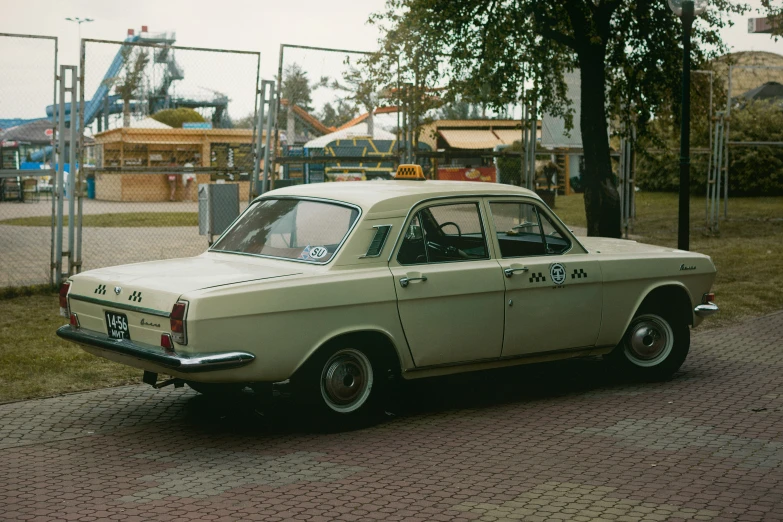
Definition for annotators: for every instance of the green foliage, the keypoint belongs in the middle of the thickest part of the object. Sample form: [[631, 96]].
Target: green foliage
[[628, 54], [332, 117], [297, 88], [245, 122], [774, 11], [754, 171], [510, 168], [176, 117], [127, 85], [460, 110]]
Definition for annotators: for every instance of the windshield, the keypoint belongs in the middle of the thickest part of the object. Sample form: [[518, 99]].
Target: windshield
[[296, 229]]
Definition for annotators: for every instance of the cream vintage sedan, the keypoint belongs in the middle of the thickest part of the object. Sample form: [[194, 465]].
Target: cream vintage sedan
[[339, 287]]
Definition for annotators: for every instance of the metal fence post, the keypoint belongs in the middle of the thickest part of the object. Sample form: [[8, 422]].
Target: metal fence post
[[73, 169], [259, 127], [270, 119]]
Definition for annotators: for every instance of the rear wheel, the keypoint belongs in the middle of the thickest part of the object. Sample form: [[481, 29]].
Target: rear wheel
[[654, 346], [341, 382]]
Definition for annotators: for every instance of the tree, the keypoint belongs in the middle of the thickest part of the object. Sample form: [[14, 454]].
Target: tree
[[245, 122], [459, 110], [176, 117], [774, 11], [128, 84], [627, 52], [363, 91], [296, 89], [408, 65], [332, 117]]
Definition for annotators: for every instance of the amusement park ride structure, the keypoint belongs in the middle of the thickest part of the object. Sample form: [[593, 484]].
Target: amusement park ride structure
[[155, 94]]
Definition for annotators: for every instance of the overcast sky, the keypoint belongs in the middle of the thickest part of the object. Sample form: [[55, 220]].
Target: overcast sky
[[260, 25]]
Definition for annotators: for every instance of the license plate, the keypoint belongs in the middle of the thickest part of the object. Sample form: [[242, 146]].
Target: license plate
[[117, 326]]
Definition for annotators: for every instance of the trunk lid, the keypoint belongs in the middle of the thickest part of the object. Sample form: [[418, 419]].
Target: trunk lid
[[157, 285]]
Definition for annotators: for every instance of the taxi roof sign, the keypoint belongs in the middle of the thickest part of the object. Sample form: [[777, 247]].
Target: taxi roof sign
[[410, 172]]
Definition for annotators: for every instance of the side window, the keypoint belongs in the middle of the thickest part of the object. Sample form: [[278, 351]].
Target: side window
[[556, 242], [444, 233], [522, 231], [412, 250]]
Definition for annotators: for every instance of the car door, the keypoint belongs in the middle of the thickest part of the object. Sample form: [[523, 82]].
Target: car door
[[449, 289], [553, 294]]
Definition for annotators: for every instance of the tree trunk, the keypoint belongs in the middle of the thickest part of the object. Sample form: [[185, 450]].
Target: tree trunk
[[602, 201], [290, 133], [126, 119], [371, 123]]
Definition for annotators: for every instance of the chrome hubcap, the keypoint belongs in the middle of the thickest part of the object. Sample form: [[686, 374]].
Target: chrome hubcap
[[649, 340], [346, 380]]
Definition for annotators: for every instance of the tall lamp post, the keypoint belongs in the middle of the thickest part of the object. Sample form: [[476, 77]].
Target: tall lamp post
[[80, 21], [687, 10]]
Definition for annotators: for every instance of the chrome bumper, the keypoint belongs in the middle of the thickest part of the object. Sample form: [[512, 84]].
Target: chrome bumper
[[204, 362], [706, 309]]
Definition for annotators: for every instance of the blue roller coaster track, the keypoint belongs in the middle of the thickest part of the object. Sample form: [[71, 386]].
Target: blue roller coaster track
[[102, 103]]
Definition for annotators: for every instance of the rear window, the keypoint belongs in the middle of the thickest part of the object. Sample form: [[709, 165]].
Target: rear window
[[301, 230]]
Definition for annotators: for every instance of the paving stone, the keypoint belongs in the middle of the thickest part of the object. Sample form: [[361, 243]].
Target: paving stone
[[563, 441]]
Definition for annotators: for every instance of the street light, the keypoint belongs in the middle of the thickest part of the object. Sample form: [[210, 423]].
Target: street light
[[687, 10], [80, 21]]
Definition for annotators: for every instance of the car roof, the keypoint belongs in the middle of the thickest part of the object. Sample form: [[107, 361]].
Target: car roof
[[396, 195]]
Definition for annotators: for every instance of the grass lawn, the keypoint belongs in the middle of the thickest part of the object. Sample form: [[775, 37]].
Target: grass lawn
[[748, 253], [34, 362], [128, 219]]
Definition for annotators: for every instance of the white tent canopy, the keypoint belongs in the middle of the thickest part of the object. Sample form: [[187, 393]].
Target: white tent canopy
[[149, 123], [357, 131]]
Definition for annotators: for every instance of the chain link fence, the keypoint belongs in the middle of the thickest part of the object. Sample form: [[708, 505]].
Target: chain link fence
[[754, 131], [27, 132], [347, 124], [161, 122]]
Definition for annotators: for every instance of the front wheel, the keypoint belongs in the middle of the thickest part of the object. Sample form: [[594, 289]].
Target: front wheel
[[341, 383], [653, 347]]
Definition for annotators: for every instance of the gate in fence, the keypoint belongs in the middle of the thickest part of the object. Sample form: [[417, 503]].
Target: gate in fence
[[31, 153], [159, 121]]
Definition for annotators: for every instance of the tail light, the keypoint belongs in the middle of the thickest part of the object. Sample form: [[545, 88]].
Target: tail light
[[166, 343], [74, 321], [64, 288], [178, 331], [708, 298]]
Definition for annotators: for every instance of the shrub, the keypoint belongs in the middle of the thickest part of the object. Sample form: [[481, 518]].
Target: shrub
[[176, 117], [754, 170]]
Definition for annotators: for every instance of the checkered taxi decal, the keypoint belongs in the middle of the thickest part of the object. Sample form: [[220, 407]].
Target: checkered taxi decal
[[100, 290], [537, 277], [135, 297], [579, 274]]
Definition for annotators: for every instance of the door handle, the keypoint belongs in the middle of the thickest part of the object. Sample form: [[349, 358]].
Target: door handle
[[405, 280], [510, 271]]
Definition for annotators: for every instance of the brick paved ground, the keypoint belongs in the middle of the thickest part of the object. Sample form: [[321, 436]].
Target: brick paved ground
[[552, 442]]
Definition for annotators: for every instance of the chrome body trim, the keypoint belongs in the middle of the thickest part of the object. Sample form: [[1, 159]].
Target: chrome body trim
[[204, 362], [121, 306], [706, 309], [301, 198], [510, 358], [383, 244]]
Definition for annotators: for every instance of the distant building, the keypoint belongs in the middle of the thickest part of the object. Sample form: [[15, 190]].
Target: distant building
[[160, 147]]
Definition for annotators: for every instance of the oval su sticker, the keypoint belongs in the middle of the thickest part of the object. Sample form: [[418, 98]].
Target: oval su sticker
[[318, 252]]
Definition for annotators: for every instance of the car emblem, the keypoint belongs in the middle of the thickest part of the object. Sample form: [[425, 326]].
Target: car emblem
[[557, 273], [117, 290]]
